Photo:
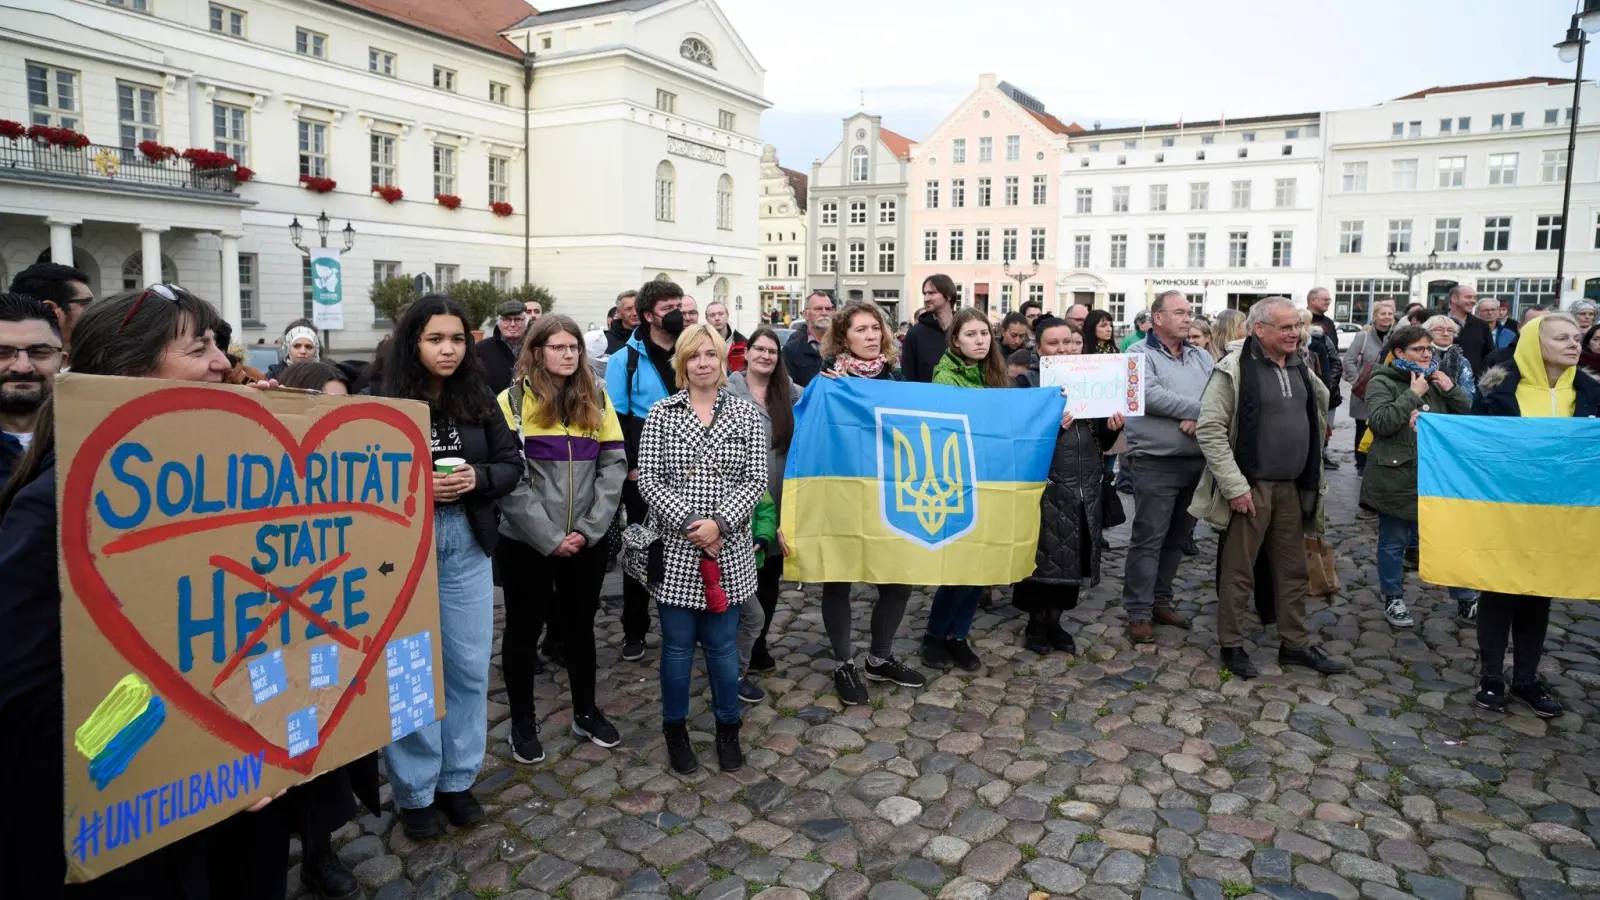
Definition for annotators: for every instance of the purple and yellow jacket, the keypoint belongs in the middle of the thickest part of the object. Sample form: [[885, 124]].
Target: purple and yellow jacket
[[573, 479]]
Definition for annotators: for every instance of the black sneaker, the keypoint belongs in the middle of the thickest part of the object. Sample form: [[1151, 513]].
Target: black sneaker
[[633, 649], [594, 726], [1329, 463], [934, 654], [1311, 658], [1536, 698], [421, 824], [326, 877], [680, 753], [847, 682], [525, 746], [730, 758], [1467, 611], [960, 652], [1492, 694], [894, 670], [460, 807], [749, 691], [1235, 660]]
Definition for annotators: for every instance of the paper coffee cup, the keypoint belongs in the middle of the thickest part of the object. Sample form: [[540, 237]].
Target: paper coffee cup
[[447, 464]]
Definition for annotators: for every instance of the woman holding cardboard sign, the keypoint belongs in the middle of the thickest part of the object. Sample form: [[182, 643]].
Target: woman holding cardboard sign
[[476, 461], [553, 528], [161, 332]]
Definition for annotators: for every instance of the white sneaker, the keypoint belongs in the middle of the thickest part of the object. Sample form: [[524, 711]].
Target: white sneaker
[[1396, 612]]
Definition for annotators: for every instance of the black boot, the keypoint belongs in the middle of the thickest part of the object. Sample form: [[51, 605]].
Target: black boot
[[1035, 638], [729, 757], [679, 751], [1059, 637], [1235, 660], [326, 877]]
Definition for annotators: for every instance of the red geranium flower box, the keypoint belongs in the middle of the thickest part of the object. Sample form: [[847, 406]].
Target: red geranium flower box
[[201, 158], [389, 193], [157, 152], [448, 201], [58, 137], [12, 130], [501, 209], [320, 185], [243, 174]]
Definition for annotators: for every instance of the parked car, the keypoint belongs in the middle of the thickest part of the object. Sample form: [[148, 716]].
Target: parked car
[[261, 356], [1347, 333]]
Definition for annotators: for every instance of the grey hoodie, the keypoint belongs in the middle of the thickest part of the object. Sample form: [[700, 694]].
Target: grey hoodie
[[1172, 390]]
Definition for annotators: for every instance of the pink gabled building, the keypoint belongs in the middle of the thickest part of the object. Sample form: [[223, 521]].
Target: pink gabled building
[[983, 199]]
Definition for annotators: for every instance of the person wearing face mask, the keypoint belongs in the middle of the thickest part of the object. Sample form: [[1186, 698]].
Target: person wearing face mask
[[637, 376], [431, 360], [1363, 355], [927, 340], [1544, 380], [499, 352]]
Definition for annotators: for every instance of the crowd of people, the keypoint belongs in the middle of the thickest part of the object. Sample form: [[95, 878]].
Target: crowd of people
[[660, 441]]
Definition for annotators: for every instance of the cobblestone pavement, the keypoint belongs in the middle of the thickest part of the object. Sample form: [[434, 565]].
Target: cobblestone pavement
[[1121, 773]]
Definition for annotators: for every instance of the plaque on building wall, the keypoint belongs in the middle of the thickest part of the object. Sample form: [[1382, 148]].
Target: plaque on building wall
[[681, 147]]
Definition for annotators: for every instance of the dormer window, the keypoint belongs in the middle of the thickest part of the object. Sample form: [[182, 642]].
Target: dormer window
[[695, 50]]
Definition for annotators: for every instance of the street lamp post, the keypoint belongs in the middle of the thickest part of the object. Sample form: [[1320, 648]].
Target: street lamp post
[[1021, 277], [1586, 21], [1410, 270], [297, 232], [711, 267]]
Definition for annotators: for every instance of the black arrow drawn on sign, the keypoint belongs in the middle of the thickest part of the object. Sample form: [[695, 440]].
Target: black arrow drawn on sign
[[386, 568]]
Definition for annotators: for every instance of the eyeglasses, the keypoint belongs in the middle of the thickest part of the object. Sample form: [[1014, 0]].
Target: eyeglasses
[[37, 353], [561, 348], [1420, 348], [164, 291]]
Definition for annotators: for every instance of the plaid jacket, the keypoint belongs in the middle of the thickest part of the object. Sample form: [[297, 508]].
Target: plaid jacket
[[688, 472]]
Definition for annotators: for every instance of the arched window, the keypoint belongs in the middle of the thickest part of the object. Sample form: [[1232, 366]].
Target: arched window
[[858, 165], [666, 192], [725, 202], [696, 50], [719, 291], [133, 271]]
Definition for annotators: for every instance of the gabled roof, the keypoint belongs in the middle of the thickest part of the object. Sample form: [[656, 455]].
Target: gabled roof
[[1485, 86], [899, 145], [1055, 124], [797, 183], [474, 22], [539, 19]]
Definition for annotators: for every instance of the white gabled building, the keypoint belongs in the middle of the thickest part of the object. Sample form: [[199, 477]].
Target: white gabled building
[[1463, 183], [638, 155], [783, 236], [1225, 211]]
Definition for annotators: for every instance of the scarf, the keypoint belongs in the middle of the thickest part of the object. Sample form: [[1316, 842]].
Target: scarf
[[1407, 366], [848, 365], [1244, 451], [1105, 347]]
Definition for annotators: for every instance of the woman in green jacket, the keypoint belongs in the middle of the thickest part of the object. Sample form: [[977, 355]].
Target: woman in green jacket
[[1407, 384], [973, 360]]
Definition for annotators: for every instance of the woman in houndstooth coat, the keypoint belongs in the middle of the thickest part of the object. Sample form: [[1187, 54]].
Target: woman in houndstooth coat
[[702, 470]]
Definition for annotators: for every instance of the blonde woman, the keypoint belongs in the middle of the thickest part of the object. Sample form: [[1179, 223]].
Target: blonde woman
[[702, 470], [1363, 355], [1226, 328], [1200, 334]]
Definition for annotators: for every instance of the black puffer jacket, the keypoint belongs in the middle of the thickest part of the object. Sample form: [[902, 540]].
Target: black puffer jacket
[[1069, 511], [925, 344]]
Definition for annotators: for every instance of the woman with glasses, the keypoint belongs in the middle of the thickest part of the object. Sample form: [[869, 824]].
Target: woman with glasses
[[765, 382], [1448, 354], [1408, 384], [162, 332], [431, 360], [552, 551]]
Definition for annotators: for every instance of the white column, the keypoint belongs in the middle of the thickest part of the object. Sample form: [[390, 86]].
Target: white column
[[230, 284], [61, 240], [150, 253]]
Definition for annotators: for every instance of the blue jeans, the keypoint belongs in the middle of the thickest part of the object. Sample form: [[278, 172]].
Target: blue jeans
[[1395, 536], [952, 611], [446, 755], [681, 629]]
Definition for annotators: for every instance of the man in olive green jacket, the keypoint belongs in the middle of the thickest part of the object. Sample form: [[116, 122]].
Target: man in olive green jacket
[[1262, 427]]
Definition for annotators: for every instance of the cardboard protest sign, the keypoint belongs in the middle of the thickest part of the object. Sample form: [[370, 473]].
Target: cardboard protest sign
[[249, 598], [1097, 385]]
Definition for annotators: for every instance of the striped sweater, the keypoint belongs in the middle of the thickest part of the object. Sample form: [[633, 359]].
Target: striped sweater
[[572, 481]]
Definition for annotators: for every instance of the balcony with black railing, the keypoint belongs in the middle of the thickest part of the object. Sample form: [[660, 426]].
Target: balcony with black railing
[[98, 165]]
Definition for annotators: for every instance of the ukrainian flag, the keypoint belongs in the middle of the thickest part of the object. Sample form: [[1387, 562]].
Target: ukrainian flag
[[893, 483], [1508, 504]]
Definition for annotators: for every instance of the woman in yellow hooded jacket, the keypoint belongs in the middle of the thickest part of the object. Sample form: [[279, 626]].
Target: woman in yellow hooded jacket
[[1543, 381], [552, 553]]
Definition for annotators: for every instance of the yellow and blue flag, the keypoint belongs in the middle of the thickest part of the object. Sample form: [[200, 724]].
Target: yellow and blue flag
[[894, 483], [1508, 504]]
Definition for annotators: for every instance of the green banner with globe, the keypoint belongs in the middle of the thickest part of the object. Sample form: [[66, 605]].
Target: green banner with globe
[[327, 289]]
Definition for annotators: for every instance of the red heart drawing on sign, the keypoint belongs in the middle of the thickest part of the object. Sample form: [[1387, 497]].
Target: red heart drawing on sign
[[79, 558]]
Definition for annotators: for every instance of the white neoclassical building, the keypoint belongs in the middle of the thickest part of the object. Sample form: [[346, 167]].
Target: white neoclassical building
[[1462, 184], [1225, 211], [621, 140]]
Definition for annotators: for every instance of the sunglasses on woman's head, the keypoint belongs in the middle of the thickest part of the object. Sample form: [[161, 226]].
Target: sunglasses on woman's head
[[164, 291]]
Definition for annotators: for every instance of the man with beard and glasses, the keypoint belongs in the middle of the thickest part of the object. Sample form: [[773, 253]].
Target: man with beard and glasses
[[30, 357], [636, 377], [64, 290]]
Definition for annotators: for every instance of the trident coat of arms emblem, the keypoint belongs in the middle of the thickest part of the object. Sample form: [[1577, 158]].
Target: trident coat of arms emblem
[[927, 476]]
